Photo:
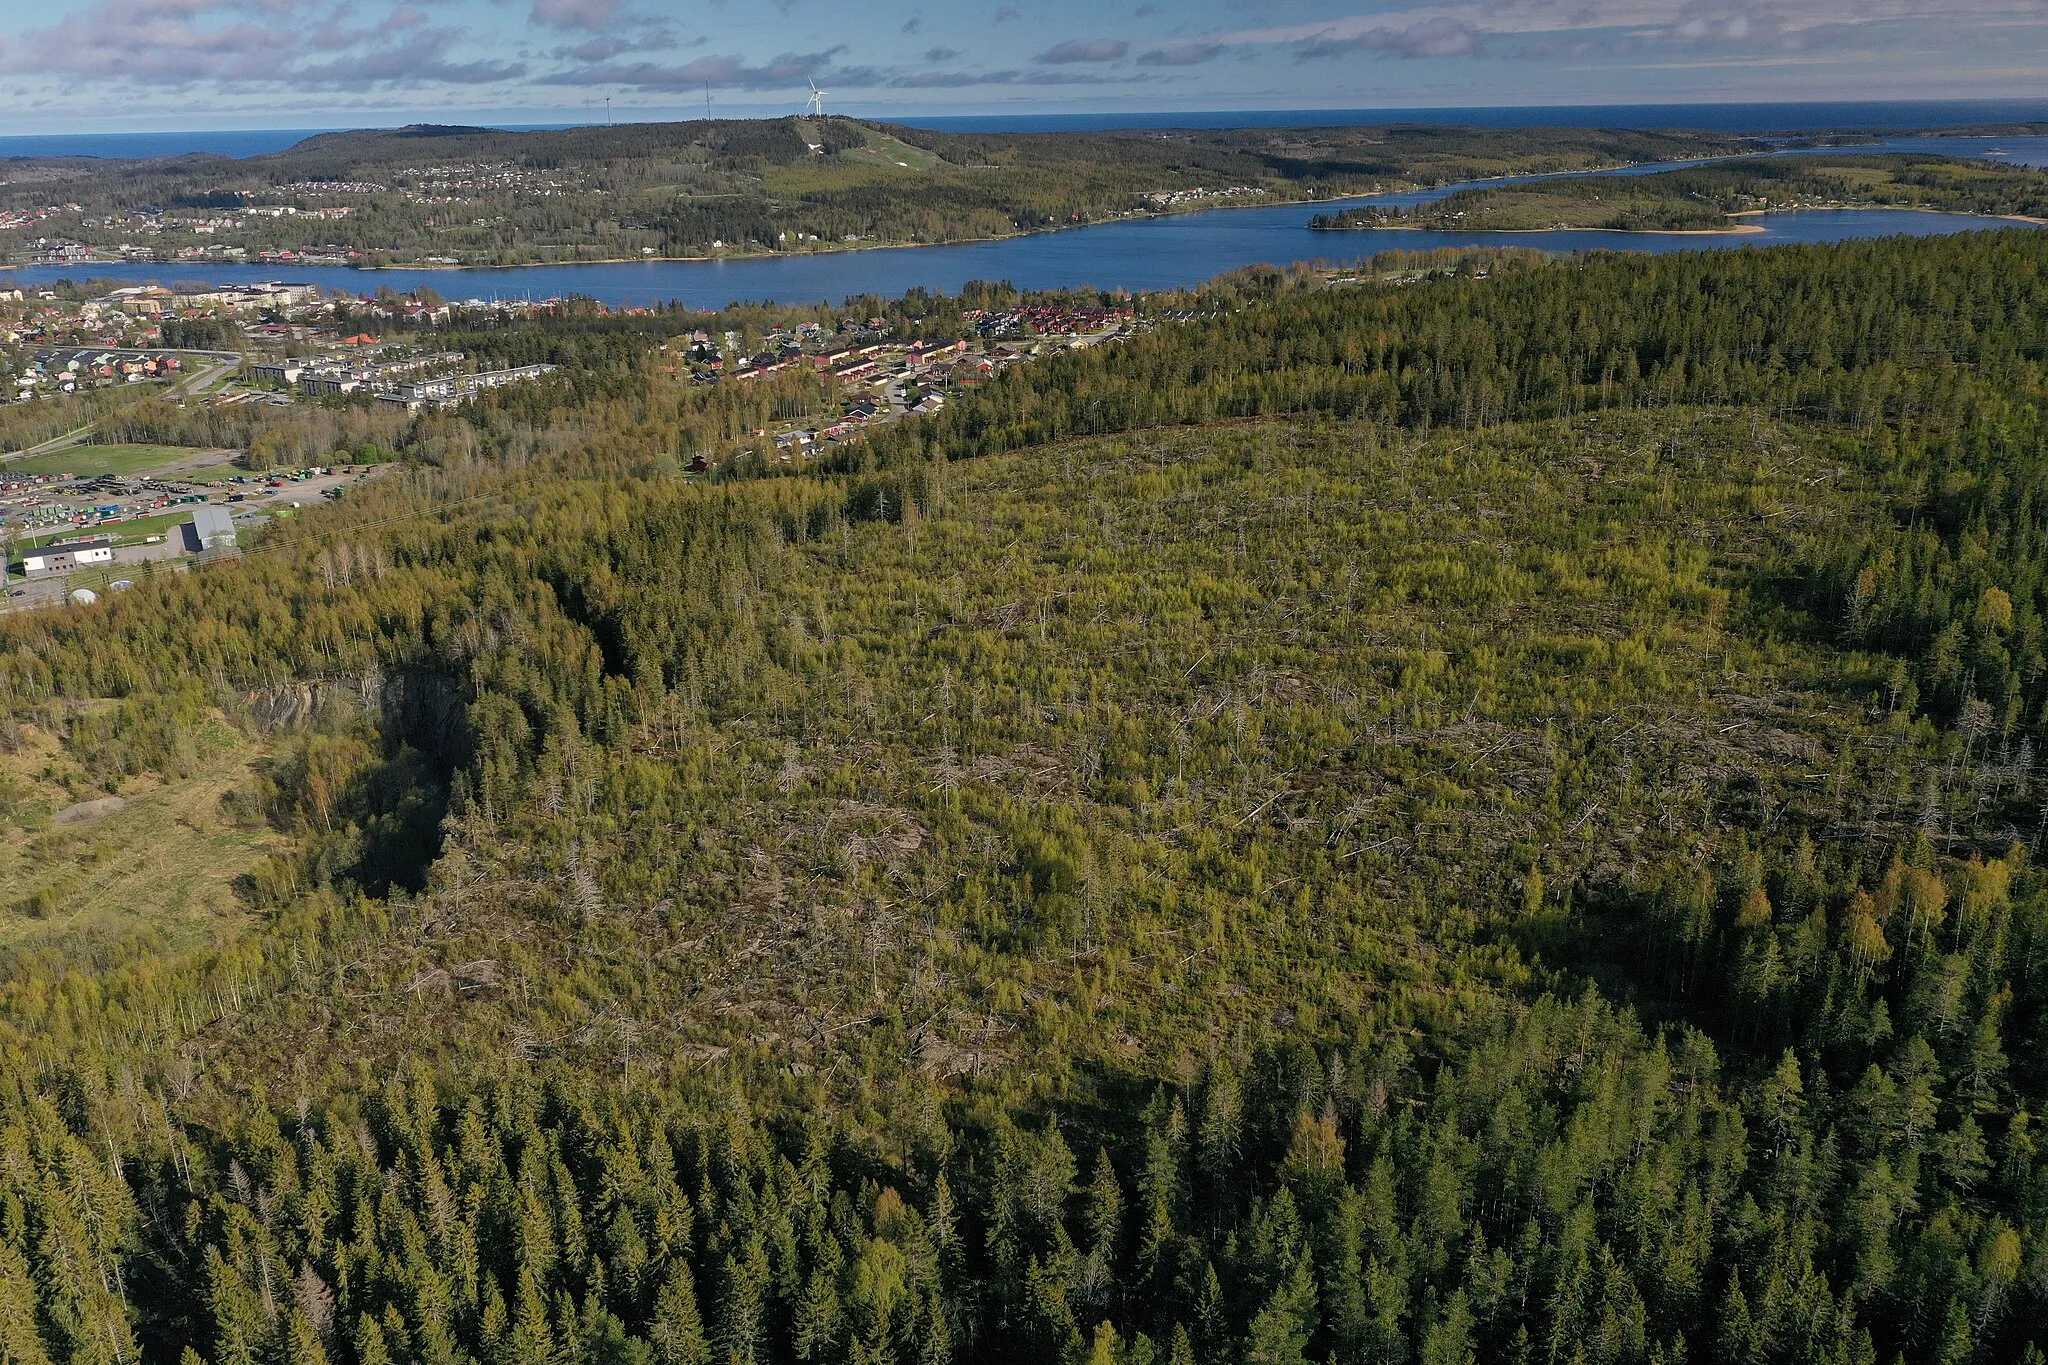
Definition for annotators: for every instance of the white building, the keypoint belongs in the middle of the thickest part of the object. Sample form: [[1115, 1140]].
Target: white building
[[66, 555]]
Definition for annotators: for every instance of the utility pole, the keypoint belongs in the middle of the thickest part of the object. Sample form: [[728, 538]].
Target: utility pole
[[607, 111]]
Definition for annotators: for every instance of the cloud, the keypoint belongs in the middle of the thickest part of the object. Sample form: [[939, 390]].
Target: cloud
[[593, 15], [788, 70], [1439, 37], [596, 50], [413, 63], [244, 45], [1182, 54], [1075, 78], [912, 24], [868, 77], [1743, 25], [1562, 29], [1074, 50], [941, 54], [951, 80], [1005, 13], [1717, 23]]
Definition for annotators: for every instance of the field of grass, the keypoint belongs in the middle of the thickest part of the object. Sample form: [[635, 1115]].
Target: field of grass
[[124, 532], [155, 857], [124, 459], [883, 149]]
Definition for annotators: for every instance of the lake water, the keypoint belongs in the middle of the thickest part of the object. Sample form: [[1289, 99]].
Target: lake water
[[1141, 254]]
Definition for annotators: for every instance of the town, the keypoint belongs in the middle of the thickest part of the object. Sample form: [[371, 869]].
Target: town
[[78, 510]]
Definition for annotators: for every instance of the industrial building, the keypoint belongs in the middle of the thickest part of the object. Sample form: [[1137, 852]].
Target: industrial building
[[66, 555]]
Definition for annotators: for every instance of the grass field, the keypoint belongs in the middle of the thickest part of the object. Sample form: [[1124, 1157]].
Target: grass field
[[124, 532], [158, 859], [123, 460]]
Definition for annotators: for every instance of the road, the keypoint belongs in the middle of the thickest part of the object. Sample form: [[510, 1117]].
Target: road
[[200, 379], [50, 447]]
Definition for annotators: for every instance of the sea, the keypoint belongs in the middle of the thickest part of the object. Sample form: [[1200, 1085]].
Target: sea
[[1797, 117]]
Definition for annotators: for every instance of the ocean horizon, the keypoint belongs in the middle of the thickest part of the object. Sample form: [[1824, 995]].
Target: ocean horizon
[[1758, 118]]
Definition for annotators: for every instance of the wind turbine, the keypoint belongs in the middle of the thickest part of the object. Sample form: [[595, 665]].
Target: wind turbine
[[816, 108]]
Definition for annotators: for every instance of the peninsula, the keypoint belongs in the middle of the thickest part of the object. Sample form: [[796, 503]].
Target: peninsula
[[1716, 198]]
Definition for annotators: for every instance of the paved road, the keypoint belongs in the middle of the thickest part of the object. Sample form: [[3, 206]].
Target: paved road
[[200, 379]]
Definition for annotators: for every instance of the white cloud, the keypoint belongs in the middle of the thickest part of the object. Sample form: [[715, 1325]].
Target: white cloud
[[789, 70], [1439, 37], [250, 44], [1433, 28]]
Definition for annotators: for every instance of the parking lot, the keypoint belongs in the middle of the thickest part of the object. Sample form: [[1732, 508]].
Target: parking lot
[[145, 514]]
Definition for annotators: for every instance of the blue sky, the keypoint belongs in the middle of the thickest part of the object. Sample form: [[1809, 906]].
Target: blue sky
[[78, 65]]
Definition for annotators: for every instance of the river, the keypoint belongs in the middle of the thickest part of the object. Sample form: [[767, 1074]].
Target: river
[[1139, 254]]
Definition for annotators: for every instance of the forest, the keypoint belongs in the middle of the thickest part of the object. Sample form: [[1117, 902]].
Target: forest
[[1485, 811], [1714, 198], [482, 197]]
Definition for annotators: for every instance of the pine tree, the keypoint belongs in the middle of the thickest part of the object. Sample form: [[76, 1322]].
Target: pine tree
[[675, 1328], [21, 1342], [1448, 1338], [817, 1318], [1282, 1328]]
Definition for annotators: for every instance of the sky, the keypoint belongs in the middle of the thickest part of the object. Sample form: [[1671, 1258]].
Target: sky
[[107, 65]]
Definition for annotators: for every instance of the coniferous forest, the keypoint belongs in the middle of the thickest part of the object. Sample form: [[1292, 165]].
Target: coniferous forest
[[1486, 814]]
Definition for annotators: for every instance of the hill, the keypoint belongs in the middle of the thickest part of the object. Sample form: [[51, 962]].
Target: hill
[[1489, 815]]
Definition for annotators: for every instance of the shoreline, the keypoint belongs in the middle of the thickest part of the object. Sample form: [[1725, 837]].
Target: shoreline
[[1733, 230], [1738, 229], [837, 250], [845, 250], [1268, 202]]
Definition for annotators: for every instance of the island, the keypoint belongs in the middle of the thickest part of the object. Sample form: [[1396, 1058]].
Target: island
[[1720, 196]]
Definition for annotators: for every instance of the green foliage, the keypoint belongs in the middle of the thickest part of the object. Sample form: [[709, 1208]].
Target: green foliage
[[1414, 822], [1702, 198]]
